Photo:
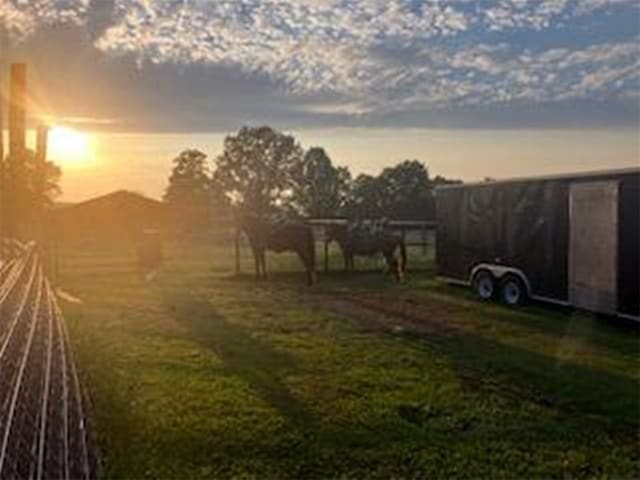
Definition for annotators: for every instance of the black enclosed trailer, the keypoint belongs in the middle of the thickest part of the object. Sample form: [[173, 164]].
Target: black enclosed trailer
[[568, 239]]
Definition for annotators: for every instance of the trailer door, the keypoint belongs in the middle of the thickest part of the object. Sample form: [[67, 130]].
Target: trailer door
[[593, 246]]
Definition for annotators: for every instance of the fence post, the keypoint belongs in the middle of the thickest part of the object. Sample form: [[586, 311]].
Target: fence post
[[236, 244], [326, 254], [56, 253], [2, 184]]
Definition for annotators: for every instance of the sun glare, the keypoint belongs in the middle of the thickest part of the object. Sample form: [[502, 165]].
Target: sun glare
[[68, 146]]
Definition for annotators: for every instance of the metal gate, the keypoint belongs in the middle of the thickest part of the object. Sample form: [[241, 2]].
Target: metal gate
[[593, 246]]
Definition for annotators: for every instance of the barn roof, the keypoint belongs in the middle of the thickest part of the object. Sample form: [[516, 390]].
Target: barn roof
[[119, 198]]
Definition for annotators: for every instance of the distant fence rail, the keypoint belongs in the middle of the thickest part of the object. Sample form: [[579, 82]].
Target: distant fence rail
[[43, 429], [416, 233]]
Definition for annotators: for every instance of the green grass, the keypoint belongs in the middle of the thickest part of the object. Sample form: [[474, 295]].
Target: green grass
[[197, 374]]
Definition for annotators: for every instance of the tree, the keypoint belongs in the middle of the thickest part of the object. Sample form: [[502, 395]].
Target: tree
[[403, 192], [440, 181], [189, 195], [407, 193], [256, 168], [28, 188], [365, 198], [320, 188]]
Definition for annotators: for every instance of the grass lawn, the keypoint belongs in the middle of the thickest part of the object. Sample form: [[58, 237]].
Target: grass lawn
[[198, 374]]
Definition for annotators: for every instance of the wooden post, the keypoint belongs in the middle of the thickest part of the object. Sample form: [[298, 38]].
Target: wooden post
[[18, 109], [56, 260], [40, 229], [41, 165], [2, 184], [236, 244], [326, 255], [17, 145]]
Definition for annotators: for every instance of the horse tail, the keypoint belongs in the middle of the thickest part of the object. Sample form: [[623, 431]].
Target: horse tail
[[403, 257]]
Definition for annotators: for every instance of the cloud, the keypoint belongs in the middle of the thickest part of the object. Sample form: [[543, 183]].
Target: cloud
[[373, 57], [21, 18]]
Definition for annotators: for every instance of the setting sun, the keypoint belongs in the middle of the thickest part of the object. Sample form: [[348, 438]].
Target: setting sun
[[69, 146]]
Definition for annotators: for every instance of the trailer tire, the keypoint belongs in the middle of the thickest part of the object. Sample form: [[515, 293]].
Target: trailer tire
[[513, 291], [484, 285]]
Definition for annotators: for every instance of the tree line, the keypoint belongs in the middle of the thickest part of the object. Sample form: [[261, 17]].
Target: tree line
[[263, 171]]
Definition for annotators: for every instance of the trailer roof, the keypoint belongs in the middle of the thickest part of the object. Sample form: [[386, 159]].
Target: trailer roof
[[560, 176]]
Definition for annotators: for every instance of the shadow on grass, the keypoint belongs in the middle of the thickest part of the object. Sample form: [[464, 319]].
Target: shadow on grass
[[260, 366], [550, 381], [612, 334], [604, 332]]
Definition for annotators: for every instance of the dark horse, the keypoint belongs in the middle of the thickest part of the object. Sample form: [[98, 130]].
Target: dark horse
[[356, 242], [281, 236]]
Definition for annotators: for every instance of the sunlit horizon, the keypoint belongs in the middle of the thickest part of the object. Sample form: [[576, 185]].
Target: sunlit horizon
[[69, 147], [95, 162]]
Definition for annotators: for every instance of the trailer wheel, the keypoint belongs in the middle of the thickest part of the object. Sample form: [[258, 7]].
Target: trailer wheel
[[512, 290], [484, 285]]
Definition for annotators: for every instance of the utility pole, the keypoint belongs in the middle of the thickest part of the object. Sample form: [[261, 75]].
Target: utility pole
[[2, 183], [42, 230], [18, 110], [3, 43], [42, 134]]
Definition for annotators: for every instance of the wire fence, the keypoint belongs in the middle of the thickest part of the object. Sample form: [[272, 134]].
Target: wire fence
[[43, 427]]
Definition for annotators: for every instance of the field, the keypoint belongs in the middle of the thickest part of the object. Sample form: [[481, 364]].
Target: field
[[195, 373]]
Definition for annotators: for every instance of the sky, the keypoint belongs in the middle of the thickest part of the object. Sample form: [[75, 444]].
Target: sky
[[472, 88]]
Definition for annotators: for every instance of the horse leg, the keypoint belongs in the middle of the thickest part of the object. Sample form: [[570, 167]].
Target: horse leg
[[398, 270], [308, 264], [388, 261], [403, 259], [393, 266], [311, 274], [398, 273]]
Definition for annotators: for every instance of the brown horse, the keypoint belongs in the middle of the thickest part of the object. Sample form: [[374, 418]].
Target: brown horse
[[288, 235], [369, 244]]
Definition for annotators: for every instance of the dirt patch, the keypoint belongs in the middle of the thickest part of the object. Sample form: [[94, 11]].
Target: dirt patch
[[390, 313]]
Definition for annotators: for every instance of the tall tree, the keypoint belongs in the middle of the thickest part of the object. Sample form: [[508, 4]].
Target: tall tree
[[255, 170], [320, 188], [404, 192], [188, 194], [365, 198], [407, 193]]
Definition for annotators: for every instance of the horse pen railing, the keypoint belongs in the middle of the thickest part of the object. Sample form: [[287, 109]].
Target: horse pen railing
[[415, 233], [43, 428]]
